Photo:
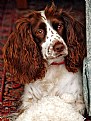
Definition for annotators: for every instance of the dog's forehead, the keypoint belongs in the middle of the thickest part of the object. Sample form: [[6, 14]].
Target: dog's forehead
[[46, 21], [43, 15], [51, 33], [50, 30]]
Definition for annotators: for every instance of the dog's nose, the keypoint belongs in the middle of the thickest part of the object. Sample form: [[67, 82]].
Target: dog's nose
[[58, 47]]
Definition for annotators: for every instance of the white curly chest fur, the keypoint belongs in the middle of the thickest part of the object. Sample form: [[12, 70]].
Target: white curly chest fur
[[57, 82]]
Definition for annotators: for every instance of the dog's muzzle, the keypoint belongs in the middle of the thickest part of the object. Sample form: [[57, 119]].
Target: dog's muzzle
[[57, 49]]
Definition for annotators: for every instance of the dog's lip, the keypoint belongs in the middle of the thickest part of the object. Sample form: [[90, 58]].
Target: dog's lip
[[56, 56], [61, 55]]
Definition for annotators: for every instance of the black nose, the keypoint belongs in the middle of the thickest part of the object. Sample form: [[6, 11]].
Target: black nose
[[58, 47]]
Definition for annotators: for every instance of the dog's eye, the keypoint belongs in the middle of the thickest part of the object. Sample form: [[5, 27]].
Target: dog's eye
[[40, 32], [40, 35], [60, 28]]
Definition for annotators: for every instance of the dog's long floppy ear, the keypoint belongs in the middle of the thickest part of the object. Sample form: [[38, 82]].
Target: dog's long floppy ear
[[75, 39], [22, 56]]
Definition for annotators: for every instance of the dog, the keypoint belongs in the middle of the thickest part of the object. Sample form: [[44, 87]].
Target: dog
[[45, 52]]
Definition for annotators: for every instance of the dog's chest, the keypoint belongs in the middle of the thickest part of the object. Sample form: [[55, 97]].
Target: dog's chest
[[55, 73], [57, 81], [58, 78], [55, 76]]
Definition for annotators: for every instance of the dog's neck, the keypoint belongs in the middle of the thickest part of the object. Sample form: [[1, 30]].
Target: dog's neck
[[56, 61]]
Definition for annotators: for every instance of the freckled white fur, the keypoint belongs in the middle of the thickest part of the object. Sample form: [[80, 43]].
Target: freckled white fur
[[51, 38], [57, 96], [54, 97], [57, 81]]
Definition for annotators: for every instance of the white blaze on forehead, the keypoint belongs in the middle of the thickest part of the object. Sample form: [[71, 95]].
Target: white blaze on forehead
[[51, 37], [51, 33], [43, 15]]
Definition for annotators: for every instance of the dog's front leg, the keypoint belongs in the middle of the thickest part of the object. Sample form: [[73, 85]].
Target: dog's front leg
[[32, 93]]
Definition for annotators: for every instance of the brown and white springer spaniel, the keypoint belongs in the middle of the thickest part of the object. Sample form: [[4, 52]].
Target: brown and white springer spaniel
[[46, 52]]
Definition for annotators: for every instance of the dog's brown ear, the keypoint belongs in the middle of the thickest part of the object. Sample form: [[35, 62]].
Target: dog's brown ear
[[76, 42], [22, 56]]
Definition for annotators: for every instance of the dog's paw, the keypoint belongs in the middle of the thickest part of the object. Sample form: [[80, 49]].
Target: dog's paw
[[69, 98]]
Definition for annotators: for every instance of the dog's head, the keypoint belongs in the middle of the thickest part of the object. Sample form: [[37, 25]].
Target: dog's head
[[44, 37]]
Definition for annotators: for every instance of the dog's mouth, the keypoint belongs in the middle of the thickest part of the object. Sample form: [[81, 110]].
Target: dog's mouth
[[59, 52], [59, 55], [52, 54]]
